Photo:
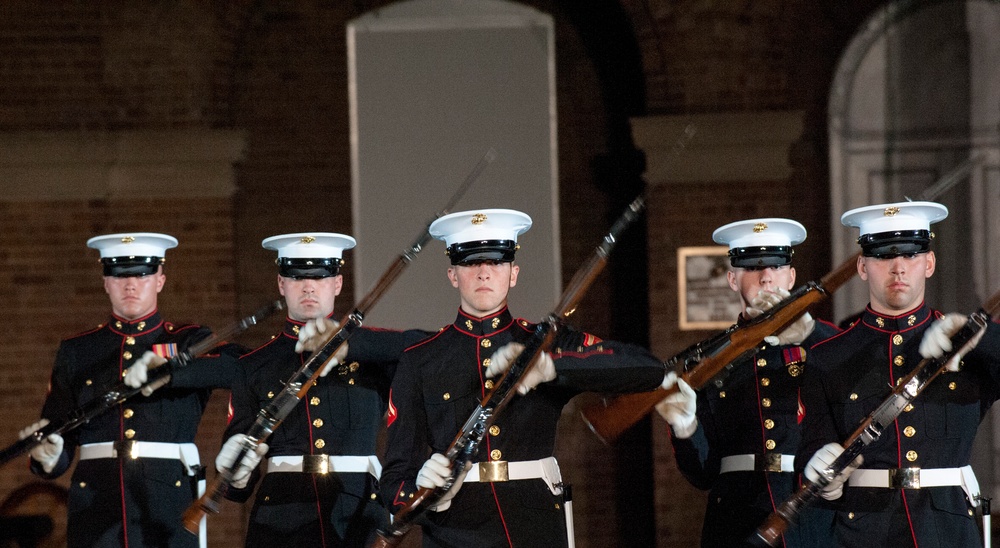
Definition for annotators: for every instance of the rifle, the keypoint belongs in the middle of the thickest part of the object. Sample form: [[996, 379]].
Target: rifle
[[711, 360], [122, 392], [466, 443], [871, 428], [270, 417]]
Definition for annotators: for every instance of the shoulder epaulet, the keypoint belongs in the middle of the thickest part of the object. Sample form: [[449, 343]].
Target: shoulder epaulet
[[88, 332], [428, 339], [171, 327]]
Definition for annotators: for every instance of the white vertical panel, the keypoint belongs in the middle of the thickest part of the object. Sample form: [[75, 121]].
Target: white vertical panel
[[434, 84]]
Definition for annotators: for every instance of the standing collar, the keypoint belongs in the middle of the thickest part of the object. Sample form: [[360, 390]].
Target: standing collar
[[292, 327], [136, 327], [487, 325], [902, 322]]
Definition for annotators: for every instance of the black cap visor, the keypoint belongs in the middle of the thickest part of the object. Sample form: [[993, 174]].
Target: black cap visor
[[760, 256], [309, 268], [131, 267], [886, 245], [482, 250]]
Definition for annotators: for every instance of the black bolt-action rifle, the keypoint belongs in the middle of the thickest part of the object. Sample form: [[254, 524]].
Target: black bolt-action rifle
[[712, 359], [871, 428], [122, 392], [466, 444], [270, 417]]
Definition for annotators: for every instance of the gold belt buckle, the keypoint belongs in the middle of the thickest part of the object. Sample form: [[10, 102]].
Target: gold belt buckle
[[768, 462], [493, 471], [126, 448], [316, 464], [904, 478]]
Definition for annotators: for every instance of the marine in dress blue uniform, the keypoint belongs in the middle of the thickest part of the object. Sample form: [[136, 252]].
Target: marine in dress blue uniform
[[747, 430], [914, 487], [320, 486], [139, 468], [512, 496]]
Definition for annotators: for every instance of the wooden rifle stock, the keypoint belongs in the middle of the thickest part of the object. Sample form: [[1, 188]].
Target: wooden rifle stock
[[122, 392], [465, 446], [909, 387], [295, 389], [608, 420]]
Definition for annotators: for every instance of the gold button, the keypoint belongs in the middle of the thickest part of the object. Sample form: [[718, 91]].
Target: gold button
[[722, 394], [88, 382], [850, 515], [314, 383], [130, 341], [373, 496], [765, 381], [178, 483], [494, 430], [766, 402], [320, 443], [486, 362], [898, 360], [314, 401], [446, 396], [495, 454], [118, 325], [485, 343], [761, 362], [350, 382], [267, 498], [897, 339], [853, 396], [970, 512], [354, 366], [270, 394], [908, 408], [127, 355], [952, 385], [488, 384], [524, 323], [909, 431], [318, 423], [128, 413], [130, 433], [124, 373], [769, 424], [911, 456], [770, 444]]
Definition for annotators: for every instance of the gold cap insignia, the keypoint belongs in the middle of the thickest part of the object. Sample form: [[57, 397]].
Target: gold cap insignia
[[891, 211], [307, 240], [759, 227], [479, 218], [128, 239]]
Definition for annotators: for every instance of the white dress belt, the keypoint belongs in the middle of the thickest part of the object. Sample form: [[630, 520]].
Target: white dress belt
[[546, 469], [768, 462], [919, 478], [324, 464], [187, 453]]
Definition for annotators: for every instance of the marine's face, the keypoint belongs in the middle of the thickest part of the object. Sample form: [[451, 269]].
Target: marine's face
[[483, 286], [748, 282], [310, 298], [134, 297], [896, 285]]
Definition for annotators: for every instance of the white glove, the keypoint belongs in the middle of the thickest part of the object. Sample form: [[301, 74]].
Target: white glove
[[313, 335], [544, 369], [251, 459], [138, 374], [821, 461], [434, 473], [793, 334], [48, 451], [937, 339], [678, 409]]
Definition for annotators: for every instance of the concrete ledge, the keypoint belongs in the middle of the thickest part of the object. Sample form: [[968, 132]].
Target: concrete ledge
[[38, 166]]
